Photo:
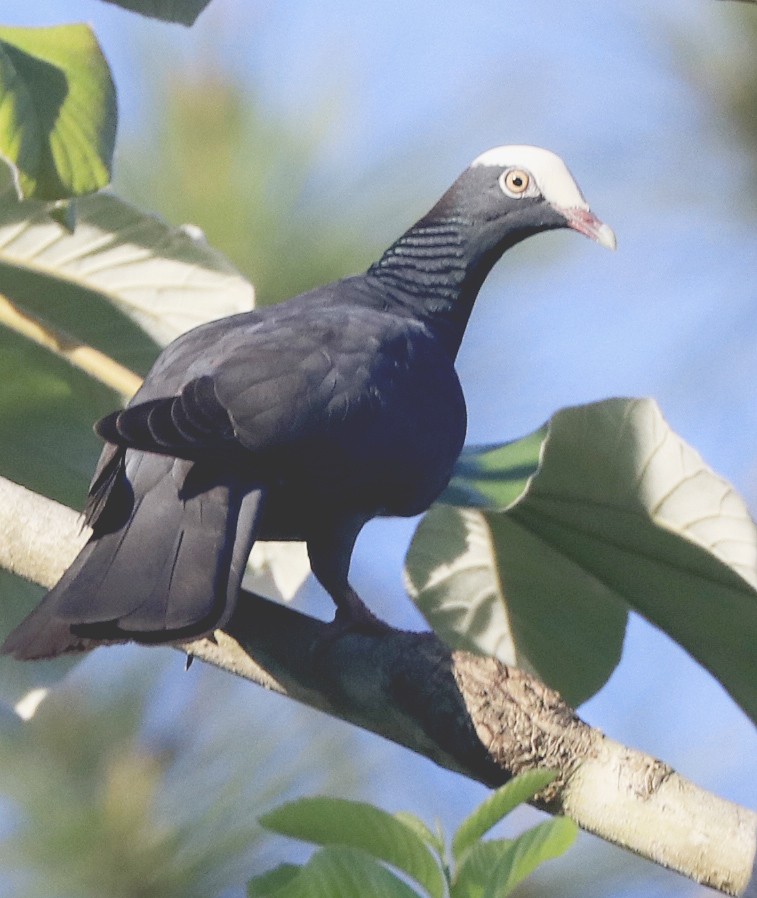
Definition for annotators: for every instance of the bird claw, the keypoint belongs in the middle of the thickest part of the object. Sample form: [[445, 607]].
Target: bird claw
[[359, 620]]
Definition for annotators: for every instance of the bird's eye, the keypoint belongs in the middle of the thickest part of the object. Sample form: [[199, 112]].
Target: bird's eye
[[514, 181]]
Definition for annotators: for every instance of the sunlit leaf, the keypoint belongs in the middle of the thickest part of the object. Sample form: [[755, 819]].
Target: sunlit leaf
[[497, 806], [277, 568], [620, 513], [435, 840], [494, 869], [332, 821], [338, 872], [183, 11], [473, 873], [57, 110], [165, 279]]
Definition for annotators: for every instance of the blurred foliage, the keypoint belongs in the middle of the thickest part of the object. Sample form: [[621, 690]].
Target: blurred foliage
[[90, 805], [719, 62], [111, 791], [217, 158], [738, 83]]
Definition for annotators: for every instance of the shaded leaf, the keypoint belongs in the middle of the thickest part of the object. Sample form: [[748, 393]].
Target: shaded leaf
[[268, 883], [333, 821], [184, 12], [339, 872], [498, 805], [57, 110], [620, 514], [495, 476]]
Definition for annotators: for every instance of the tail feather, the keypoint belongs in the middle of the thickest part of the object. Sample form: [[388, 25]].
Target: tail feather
[[171, 571]]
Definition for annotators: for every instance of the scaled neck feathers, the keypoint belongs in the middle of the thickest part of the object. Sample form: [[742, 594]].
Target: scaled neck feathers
[[436, 269]]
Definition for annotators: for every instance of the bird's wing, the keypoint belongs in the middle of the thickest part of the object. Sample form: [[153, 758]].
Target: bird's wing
[[288, 378]]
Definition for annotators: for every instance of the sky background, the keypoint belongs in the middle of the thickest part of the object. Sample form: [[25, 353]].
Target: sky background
[[620, 91]]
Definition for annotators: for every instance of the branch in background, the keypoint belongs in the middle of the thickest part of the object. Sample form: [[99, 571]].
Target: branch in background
[[467, 713]]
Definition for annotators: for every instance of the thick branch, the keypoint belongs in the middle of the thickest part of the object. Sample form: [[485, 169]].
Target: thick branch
[[470, 714]]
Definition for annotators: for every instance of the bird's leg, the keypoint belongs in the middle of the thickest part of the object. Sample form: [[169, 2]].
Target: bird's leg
[[330, 552]]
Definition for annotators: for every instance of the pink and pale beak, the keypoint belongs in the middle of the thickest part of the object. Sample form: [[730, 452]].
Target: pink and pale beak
[[586, 222]]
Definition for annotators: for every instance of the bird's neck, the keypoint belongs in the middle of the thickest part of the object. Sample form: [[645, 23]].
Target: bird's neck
[[434, 272]]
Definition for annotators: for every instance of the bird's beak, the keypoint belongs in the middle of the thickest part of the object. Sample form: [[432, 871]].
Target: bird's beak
[[586, 222]]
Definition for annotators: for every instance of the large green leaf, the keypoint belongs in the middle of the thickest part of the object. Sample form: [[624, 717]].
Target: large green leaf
[[336, 872], [616, 512], [333, 821], [182, 11], [493, 869], [57, 110], [497, 806], [165, 279]]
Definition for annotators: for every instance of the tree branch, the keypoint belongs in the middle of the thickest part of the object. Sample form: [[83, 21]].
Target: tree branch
[[470, 714]]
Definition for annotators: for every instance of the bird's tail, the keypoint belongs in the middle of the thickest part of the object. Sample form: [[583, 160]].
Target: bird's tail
[[164, 564]]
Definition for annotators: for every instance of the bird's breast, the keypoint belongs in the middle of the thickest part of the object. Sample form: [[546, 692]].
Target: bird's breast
[[387, 450]]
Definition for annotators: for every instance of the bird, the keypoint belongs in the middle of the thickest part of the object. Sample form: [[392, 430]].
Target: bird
[[299, 421]]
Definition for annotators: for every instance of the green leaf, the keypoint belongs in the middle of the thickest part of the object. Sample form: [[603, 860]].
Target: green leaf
[[473, 873], [435, 840], [535, 846], [620, 514], [338, 872], [487, 586], [334, 821], [183, 11], [165, 279], [57, 110], [500, 803], [495, 476], [494, 869], [268, 883]]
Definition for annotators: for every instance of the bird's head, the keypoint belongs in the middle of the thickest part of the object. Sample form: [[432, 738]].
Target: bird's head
[[511, 192]]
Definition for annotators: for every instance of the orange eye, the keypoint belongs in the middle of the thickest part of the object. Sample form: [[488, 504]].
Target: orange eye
[[515, 181]]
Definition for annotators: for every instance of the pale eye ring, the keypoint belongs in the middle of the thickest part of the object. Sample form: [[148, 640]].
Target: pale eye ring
[[515, 181]]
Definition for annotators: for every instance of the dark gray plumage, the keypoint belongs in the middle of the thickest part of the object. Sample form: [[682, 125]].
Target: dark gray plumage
[[300, 421]]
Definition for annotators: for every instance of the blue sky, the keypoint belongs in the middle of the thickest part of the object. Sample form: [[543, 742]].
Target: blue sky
[[672, 314]]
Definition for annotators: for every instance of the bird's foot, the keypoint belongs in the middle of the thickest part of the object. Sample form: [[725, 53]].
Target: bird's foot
[[359, 619]]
